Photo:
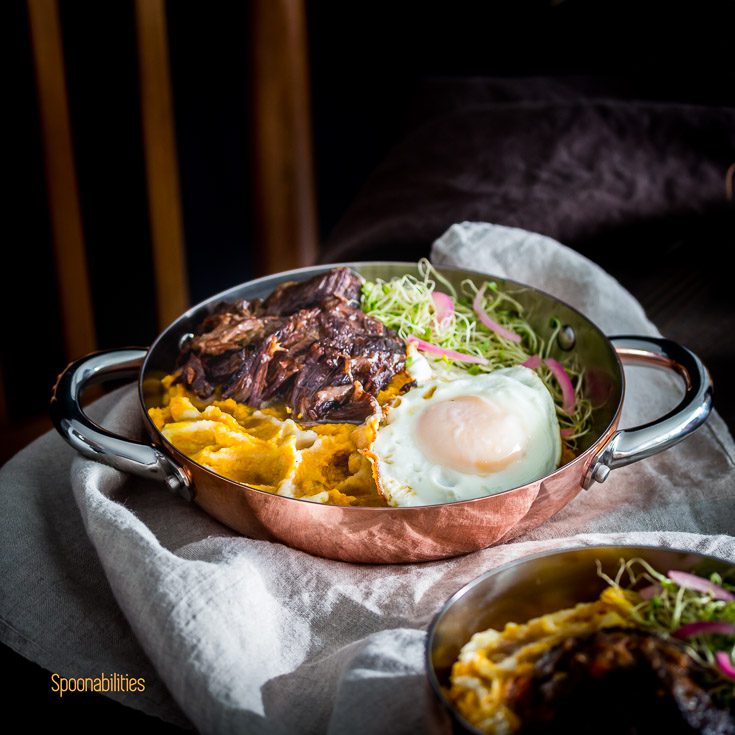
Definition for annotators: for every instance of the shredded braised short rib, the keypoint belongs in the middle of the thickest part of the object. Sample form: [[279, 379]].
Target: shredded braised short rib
[[619, 681], [308, 345]]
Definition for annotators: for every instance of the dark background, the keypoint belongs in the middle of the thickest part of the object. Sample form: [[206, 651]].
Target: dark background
[[370, 64]]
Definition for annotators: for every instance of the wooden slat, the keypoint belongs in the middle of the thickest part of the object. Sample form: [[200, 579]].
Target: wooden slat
[[282, 137], [61, 180], [159, 141]]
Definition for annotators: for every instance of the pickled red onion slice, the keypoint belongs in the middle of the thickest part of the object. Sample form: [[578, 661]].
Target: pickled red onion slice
[[444, 306], [533, 362], [692, 582], [725, 664], [705, 626], [565, 383], [488, 322], [451, 354], [650, 592]]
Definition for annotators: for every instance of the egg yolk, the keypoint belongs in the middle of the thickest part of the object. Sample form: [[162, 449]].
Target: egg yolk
[[470, 434]]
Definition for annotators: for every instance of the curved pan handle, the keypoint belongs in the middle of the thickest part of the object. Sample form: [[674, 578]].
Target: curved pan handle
[[95, 442], [630, 445]]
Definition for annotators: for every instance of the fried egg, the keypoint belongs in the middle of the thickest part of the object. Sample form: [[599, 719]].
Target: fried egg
[[466, 438]]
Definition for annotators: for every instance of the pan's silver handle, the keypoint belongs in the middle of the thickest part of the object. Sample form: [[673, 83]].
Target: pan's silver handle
[[630, 445], [95, 442]]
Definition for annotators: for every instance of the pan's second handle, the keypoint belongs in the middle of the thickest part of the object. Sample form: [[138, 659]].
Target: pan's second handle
[[630, 445], [96, 442]]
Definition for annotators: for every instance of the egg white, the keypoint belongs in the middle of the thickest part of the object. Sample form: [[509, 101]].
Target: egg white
[[407, 476]]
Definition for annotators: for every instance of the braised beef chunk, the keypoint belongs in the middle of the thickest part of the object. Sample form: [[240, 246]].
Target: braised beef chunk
[[323, 368], [222, 367], [228, 330], [307, 344], [291, 296], [359, 405], [249, 382], [194, 376], [375, 361], [618, 681]]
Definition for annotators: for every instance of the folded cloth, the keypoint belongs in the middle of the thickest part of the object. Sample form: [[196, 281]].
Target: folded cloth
[[253, 636]]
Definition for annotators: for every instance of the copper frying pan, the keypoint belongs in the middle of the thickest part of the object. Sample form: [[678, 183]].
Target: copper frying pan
[[386, 535]]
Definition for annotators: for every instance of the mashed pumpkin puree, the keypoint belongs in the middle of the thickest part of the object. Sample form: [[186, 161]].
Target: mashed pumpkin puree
[[268, 450]]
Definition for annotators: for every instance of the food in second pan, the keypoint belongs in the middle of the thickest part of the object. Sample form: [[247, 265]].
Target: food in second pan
[[353, 392], [653, 654]]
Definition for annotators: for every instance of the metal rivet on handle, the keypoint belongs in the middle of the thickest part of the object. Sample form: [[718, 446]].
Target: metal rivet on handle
[[567, 337], [184, 340], [601, 473]]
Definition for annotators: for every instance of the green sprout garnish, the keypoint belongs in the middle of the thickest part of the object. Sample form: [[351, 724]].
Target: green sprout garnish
[[665, 606], [405, 304]]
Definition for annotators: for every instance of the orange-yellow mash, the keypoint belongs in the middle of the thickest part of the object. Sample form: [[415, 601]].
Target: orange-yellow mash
[[268, 450]]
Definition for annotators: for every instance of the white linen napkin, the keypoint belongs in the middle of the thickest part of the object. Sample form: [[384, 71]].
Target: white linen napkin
[[251, 636]]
